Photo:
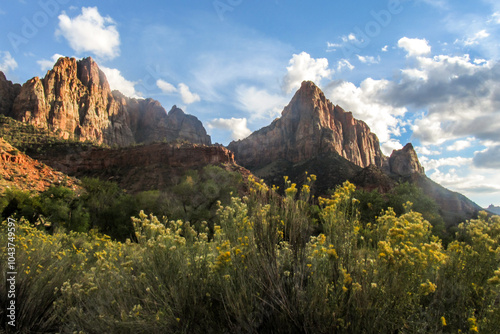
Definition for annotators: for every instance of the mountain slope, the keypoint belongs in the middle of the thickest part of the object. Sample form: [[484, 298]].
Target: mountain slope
[[309, 125], [22, 172], [315, 136], [74, 100]]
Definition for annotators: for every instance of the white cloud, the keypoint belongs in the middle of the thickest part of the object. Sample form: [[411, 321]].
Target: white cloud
[[414, 46], [390, 145], [384, 49], [422, 150], [344, 63], [460, 145], [431, 164], [496, 17], [90, 32], [166, 87], [186, 95], [303, 67], [368, 59], [7, 62], [118, 82], [475, 39], [259, 103], [237, 126], [182, 89], [46, 64]]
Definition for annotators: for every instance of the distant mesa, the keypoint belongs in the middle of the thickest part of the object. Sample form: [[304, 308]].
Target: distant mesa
[[74, 100]]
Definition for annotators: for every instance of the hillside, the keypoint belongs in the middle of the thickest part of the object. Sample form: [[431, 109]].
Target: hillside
[[313, 135], [18, 171]]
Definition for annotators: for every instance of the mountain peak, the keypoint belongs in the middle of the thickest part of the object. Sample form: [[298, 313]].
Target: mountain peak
[[405, 162], [309, 125], [74, 99]]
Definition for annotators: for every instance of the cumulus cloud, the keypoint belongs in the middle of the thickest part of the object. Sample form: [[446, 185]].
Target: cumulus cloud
[[461, 98], [182, 90], [434, 164], [489, 158], [237, 126], [46, 64], [259, 103], [118, 82], [7, 62], [166, 87], [303, 67], [460, 145], [414, 46], [186, 95], [422, 150], [390, 145], [90, 32]]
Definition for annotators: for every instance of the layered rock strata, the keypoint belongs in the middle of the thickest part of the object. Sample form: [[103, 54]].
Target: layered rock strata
[[309, 125], [74, 100]]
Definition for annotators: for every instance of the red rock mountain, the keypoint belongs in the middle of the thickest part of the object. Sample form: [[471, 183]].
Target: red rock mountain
[[309, 125], [74, 100]]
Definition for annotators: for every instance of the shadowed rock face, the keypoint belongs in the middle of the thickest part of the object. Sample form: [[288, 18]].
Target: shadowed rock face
[[405, 162], [308, 126], [8, 93], [139, 168], [74, 99]]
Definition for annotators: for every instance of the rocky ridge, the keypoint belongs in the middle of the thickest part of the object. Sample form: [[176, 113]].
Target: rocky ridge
[[316, 136], [309, 125], [74, 100], [138, 168]]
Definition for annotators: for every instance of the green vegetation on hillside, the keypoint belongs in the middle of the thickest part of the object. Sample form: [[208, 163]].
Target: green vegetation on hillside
[[103, 206], [262, 268]]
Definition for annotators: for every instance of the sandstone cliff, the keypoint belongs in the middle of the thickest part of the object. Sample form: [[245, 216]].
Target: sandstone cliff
[[8, 93], [308, 126], [404, 162], [74, 100], [138, 168]]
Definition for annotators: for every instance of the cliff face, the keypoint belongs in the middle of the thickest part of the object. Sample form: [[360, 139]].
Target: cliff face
[[74, 99], [145, 167], [404, 162], [310, 125], [8, 93]]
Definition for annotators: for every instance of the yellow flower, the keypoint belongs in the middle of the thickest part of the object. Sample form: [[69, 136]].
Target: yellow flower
[[443, 321]]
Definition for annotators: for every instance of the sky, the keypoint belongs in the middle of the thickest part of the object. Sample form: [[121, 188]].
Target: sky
[[418, 71]]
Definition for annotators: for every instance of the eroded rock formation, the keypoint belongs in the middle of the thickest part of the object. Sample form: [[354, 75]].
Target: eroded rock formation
[[74, 100], [309, 125]]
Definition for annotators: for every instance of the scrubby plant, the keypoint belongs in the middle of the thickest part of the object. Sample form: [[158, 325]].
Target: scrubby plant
[[267, 263]]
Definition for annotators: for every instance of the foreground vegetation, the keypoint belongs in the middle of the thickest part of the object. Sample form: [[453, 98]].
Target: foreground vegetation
[[265, 264]]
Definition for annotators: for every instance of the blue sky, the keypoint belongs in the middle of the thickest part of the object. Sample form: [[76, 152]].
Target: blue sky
[[415, 70]]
